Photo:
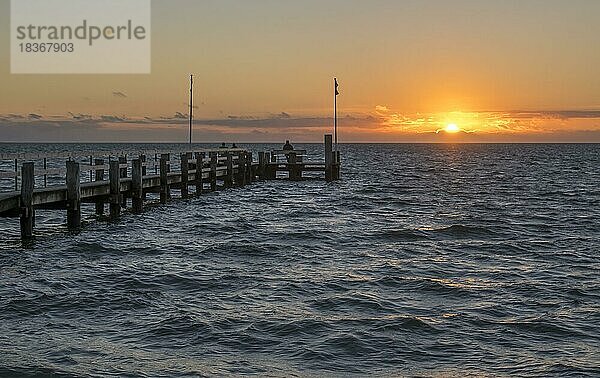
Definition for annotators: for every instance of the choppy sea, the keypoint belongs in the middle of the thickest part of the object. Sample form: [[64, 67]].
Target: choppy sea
[[424, 260]]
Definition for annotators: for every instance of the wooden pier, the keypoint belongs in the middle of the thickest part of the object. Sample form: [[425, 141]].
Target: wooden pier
[[205, 170]]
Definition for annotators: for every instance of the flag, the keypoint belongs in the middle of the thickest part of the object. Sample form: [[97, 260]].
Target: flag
[[337, 92]]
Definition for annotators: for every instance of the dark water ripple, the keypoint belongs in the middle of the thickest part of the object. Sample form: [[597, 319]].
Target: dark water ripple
[[456, 260]]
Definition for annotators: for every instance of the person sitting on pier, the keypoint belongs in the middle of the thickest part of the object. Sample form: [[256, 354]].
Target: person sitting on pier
[[287, 146], [223, 145]]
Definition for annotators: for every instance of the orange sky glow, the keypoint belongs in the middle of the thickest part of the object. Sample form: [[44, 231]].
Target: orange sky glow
[[500, 71]]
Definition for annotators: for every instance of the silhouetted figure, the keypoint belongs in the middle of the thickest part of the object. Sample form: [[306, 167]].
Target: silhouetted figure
[[223, 145], [287, 146]]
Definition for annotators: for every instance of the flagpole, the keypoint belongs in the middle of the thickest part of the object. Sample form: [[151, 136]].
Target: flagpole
[[335, 94], [191, 104]]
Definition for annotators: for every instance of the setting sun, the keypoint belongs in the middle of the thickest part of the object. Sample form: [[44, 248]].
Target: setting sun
[[452, 128]]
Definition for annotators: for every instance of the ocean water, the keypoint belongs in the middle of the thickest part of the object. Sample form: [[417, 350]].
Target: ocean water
[[424, 260]]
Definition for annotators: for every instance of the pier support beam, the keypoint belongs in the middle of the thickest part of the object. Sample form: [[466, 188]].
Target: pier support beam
[[262, 165], [328, 158], [199, 172], [99, 177], [249, 174], [137, 190], [123, 174], [165, 191], [115, 190], [337, 165], [243, 166], [144, 172], [27, 211], [229, 174], [213, 171], [185, 169], [295, 173], [73, 196]]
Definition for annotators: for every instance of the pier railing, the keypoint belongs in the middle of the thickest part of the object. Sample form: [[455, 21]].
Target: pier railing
[[50, 164]]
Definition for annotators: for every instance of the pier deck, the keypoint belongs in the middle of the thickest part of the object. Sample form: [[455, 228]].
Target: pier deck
[[128, 179]]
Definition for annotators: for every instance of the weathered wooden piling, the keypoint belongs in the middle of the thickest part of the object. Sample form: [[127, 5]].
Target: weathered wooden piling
[[336, 166], [295, 174], [213, 171], [26, 202], [242, 169], [115, 189], [249, 175], [262, 164], [99, 177], [184, 175], [123, 175], [144, 172], [199, 172], [73, 195], [328, 158], [229, 173], [137, 187], [164, 184]]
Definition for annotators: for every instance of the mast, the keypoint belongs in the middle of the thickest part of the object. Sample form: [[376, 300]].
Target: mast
[[191, 104], [335, 120]]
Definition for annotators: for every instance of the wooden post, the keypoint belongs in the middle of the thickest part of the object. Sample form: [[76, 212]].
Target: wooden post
[[229, 175], [122, 171], [73, 195], [262, 162], [185, 169], [337, 166], [99, 177], [144, 168], [164, 186], [123, 174], [27, 212], [199, 173], [328, 158], [238, 176], [213, 171], [250, 175], [137, 188], [293, 166], [144, 172], [115, 189], [270, 171], [45, 173], [16, 175], [242, 169], [91, 171], [168, 171]]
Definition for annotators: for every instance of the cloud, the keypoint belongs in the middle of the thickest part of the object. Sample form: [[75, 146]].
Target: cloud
[[80, 117], [119, 94], [241, 117], [195, 107], [282, 115], [381, 109], [112, 118], [557, 114], [493, 126]]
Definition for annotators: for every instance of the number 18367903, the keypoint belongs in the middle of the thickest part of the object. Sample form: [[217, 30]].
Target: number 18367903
[[35, 47]]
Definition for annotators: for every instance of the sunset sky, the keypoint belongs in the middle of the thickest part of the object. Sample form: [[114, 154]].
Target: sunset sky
[[501, 71]]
